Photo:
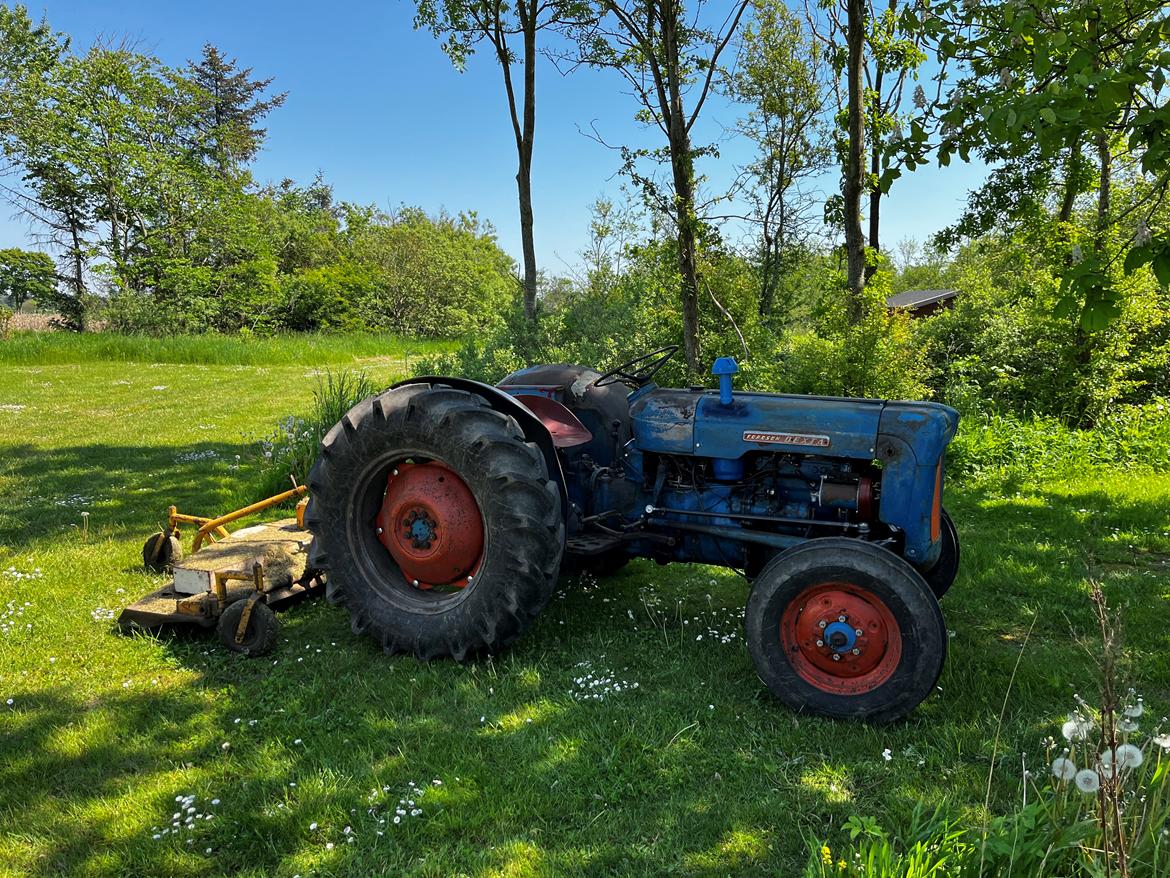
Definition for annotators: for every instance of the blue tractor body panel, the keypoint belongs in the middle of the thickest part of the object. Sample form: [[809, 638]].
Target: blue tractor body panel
[[697, 474]]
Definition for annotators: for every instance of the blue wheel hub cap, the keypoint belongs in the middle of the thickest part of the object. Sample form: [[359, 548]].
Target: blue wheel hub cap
[[420, 529], [840, 636]]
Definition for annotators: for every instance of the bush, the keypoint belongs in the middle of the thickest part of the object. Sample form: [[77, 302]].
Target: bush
[[1128, 436], [613, 318], [1006, 342]]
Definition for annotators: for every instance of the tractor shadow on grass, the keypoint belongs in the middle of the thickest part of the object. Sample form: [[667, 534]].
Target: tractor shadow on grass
[[125, 489]]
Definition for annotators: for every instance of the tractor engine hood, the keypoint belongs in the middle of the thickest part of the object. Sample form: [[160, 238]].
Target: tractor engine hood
[[695, 422]]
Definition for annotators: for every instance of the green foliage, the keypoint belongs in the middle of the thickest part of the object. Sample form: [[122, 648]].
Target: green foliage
[[1136, 436], [137, 174], [1006, 346], [879, 356], [615, 318], [1046, 82], [292, 448], [934, 845], [26, 275]]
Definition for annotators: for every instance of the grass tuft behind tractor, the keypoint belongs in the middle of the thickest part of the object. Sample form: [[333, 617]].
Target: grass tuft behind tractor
[[443, 510]]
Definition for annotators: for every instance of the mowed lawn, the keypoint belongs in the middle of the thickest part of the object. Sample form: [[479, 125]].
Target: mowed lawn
[[625, 734]]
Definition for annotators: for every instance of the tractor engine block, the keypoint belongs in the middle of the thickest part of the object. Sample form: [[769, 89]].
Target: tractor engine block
[[680, 508]]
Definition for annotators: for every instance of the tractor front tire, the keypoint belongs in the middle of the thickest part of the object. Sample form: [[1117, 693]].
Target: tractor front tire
[[845, 629], [435, 521], [942, 574]]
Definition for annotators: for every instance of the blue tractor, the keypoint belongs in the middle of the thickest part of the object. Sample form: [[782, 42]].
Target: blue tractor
[[443, 511]]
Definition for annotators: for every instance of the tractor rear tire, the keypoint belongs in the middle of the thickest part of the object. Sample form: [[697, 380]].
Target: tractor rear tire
[[505, 482], [942, 575], [802, 619]]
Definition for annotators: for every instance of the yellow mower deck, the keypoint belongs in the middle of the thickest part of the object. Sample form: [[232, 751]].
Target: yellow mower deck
[[220, 573]]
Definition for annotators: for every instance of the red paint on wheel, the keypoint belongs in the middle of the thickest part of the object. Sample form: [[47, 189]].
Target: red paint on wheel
[[431, 525], [878, 648]]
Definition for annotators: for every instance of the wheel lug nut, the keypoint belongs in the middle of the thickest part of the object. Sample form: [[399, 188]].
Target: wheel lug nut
[[856, 651], [840, 618], [820, 643], [836, 656], [414, 582], [859, 632], [822, 623], [379, 530]]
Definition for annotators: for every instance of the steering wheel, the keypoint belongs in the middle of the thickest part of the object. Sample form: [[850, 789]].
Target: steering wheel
[[639, 370]]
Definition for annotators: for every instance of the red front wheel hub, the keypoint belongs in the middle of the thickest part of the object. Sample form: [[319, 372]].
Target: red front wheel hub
[[431, 525], [841, 638]]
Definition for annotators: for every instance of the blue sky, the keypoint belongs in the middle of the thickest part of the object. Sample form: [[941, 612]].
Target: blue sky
[[378, 109]]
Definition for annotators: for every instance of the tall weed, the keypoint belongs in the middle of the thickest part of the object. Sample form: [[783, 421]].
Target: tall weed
[[291, 449], [999, 444]]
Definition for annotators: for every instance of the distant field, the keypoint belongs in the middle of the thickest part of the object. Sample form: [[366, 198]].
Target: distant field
[[46, 348], [548, 759]]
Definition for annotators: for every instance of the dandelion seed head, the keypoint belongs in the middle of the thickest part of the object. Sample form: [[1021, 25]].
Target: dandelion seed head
[[1064, 769], [1129, 755], [1087, 781]]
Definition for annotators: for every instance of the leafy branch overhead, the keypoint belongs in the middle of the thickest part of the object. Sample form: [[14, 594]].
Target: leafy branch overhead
[[1045, 84]]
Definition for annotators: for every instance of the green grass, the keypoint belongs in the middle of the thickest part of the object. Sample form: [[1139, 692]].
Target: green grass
[[57, 348], [696, 771]]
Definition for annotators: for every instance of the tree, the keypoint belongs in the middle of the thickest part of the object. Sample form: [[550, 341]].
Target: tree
[[779, 75], [462, 24], [1069, 86], [667, 60], [231, 105], [881, 53], [26, 275]]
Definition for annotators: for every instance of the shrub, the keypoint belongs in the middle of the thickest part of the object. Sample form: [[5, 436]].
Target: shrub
[[613, 318], [1001, 444]]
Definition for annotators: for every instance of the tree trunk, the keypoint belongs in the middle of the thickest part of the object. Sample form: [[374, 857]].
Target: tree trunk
[[683, 168], [853, 183], [1071, 182], [1104, 189], [875, 204], [687, 266], [527, 10], [875, 193]]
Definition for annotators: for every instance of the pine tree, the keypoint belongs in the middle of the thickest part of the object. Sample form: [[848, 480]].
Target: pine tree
[[227, 134]]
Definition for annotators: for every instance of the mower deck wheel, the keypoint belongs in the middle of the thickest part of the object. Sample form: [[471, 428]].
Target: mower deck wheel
[[260, 635], [161, 552]]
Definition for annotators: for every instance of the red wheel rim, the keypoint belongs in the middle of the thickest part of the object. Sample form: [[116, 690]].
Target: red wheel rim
[[823, 621], [431, 525]]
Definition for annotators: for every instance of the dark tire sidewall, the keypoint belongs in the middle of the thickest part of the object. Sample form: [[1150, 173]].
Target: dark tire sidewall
[[889, 579], [507, 478]]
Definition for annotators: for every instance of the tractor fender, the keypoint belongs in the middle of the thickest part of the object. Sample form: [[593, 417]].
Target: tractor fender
[[534, 431]]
